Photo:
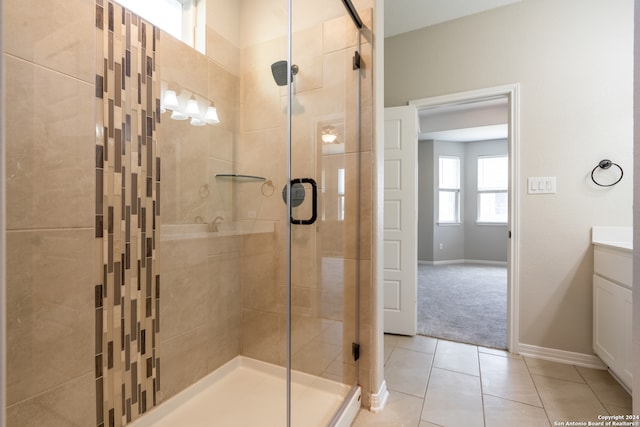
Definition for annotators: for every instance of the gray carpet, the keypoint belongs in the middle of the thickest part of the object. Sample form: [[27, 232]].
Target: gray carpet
[[463, 302]]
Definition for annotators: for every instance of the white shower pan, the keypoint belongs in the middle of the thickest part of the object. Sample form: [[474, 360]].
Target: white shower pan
[[247, 392]]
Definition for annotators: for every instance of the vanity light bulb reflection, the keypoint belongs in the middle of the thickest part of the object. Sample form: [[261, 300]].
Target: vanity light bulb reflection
[[177, 115], [170, 100], [211, 116], [192, 108], [183, 108]]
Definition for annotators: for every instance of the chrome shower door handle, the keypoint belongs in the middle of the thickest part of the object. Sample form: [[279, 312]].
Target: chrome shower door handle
[[314, 201]]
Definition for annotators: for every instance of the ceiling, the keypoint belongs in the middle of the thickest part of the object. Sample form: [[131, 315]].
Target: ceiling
[[401, 16], [474, 134], [466, 122]]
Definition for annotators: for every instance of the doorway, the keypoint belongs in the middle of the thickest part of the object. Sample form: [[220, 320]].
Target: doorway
[[459, 215]]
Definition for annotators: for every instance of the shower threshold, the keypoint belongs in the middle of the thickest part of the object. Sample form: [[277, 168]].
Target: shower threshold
[[247, 392]]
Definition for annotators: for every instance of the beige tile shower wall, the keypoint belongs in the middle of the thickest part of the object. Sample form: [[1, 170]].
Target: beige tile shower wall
[[263, 319], [260, 151], [319, 277], [192, 155], [200, 308], [50, 184]]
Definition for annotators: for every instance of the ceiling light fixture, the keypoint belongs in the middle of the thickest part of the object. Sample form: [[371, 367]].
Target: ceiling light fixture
[[329, 135]]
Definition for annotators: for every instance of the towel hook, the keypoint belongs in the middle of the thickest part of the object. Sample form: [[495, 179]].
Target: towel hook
[[606, 164]]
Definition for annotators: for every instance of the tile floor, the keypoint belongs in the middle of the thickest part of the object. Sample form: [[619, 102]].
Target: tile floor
[[441, 383]]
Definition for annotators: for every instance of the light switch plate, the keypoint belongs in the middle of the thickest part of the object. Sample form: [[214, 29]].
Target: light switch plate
[[541, 185]]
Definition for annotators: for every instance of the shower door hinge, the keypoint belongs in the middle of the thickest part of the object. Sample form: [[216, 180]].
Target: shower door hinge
[[355, 350], [356, 61]]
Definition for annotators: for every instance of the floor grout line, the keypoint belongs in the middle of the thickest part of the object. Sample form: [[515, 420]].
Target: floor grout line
[[426, 390], [484, 412], [546, 413], [439, 347]]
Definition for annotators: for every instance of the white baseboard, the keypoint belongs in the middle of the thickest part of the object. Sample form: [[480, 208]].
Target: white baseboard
[[449, 261], [379, 399], [561, 356], [485, 262], [463, 261]]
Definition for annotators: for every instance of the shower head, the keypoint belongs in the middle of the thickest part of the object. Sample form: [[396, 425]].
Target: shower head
[[279, 71]]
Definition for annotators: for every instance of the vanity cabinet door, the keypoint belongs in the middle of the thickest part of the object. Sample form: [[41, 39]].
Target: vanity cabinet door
[[605, 321], [626, 357], [612, 327]]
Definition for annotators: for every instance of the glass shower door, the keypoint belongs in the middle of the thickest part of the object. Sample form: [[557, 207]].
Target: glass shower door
[[325, 207]]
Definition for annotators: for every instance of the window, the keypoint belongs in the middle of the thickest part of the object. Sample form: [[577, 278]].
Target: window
[[449, 190], [176, 17], [493, 183]]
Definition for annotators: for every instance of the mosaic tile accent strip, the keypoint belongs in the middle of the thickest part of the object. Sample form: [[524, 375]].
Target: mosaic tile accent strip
[[127, 362]]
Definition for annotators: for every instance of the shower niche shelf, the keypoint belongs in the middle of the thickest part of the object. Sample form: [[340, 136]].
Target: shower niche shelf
[[239, 177]]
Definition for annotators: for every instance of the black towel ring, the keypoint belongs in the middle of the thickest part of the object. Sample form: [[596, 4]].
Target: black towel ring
[[606, 164]]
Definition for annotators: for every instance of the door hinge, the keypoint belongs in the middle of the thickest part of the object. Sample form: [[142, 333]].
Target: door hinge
[[509, 232], [355, 350], [356, 61]]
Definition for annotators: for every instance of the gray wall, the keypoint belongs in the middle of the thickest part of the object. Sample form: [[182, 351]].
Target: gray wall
[[450, 236], [481, 242], [573, 61], [426, 193], [467, 241]]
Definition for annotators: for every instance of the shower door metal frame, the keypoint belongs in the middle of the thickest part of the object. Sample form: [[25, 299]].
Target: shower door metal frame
[[289, 208], [3, 247]]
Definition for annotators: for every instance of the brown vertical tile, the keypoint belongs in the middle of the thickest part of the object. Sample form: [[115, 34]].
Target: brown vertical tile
[[143, 35], [110, 355], [111, 12], [99, 156], [99, 16], [99, 86], [99, 401], [99, 226], [99, 330], [143, 398], [157, 203], [110, 253]]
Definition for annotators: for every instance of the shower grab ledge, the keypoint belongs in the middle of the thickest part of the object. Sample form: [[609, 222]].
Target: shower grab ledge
[[240, 177], [201, 230]]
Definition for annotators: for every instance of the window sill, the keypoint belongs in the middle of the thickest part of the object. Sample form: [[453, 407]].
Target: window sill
[[494, 224], [448, 224]]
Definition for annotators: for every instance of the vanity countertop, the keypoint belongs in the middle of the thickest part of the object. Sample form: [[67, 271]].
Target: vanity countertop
[[613, 237]]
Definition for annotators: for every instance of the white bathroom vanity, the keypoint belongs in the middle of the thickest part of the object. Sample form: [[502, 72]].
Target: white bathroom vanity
[[612, 302]]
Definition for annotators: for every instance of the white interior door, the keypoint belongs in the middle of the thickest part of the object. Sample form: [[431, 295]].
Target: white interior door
[[400, 220]]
